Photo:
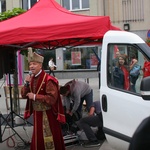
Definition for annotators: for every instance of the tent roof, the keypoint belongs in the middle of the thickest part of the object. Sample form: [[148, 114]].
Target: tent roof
[[47, 24]]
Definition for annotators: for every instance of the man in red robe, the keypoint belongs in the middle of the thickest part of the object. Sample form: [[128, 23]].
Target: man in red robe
[[43, 100]]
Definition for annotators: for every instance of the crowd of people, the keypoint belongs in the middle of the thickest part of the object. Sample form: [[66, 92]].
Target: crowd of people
[[50, 103], [126, 74]]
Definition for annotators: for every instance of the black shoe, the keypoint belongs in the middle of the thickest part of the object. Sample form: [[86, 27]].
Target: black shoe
[[101, 136], [92, 144]]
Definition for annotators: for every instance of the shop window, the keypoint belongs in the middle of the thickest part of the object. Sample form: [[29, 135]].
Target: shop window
[[80, 58], [76, 4], [46, 54]]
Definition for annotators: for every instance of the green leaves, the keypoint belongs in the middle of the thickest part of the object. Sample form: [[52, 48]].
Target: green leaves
[[9, 14]]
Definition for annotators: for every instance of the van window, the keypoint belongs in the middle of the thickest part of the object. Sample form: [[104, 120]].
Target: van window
[[125, 67]]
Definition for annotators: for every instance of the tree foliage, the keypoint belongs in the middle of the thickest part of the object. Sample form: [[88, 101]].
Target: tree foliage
[[9, 14]]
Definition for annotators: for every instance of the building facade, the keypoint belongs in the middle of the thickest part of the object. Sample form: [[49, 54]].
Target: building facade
[[129, 15], [132, 15]]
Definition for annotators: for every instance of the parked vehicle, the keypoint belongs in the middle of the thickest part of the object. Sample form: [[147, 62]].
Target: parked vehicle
[[123, 109]]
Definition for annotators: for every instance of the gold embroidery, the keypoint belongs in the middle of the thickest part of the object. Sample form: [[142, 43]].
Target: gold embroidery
[[38, 106], [48, 138], [47, 134]]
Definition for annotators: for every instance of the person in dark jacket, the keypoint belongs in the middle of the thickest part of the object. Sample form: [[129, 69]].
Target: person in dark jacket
[[121, 74], [94, 119]]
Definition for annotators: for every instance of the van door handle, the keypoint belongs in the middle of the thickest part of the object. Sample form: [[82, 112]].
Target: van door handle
[[104, 103]]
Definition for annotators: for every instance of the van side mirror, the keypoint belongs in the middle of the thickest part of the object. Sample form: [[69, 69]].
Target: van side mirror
[[145, 88]]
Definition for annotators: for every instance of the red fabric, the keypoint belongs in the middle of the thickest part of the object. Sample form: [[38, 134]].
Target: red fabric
[[115, 50], [146, 69], [28, 109], [37, 138], [38, 132], [126, 78], [48, 21], [57, 108]]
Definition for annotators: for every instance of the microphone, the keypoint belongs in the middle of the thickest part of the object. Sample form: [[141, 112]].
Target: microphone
[[30, 73], [26, 81]]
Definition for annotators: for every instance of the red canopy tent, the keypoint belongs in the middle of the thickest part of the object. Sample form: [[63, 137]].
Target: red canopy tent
[[49, 25]]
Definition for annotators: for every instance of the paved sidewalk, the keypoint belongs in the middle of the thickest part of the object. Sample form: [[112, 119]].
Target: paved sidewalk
[[26, 131]]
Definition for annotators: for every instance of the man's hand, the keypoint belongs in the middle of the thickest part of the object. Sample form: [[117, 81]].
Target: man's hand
[[69, 112], [92, 110], [31, 96], [28, 78]]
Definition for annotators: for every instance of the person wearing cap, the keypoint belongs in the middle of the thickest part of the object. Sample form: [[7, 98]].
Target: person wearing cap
[[43, 100]]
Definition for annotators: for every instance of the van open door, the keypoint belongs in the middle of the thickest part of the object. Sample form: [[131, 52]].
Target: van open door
[[123, 107]]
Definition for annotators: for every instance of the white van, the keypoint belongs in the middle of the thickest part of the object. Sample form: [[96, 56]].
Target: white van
[[123, 107]]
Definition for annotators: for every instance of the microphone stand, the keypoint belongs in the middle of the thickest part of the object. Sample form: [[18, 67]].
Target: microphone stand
[[9, 118]]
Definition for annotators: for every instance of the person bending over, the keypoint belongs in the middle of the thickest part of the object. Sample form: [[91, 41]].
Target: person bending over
[[76, 92]]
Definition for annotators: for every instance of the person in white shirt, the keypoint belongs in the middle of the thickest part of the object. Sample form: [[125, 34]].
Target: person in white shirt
[[51, 66]]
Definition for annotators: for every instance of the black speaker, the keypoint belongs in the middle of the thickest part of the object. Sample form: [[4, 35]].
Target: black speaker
[[1, 67], [9, 62]]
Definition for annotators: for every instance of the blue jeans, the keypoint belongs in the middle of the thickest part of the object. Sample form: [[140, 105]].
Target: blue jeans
[[89, 101]]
